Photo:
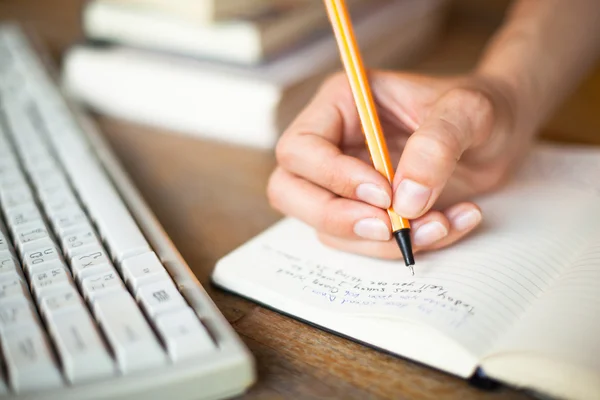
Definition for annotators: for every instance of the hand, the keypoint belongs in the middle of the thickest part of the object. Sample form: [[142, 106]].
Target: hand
[[451, 139]]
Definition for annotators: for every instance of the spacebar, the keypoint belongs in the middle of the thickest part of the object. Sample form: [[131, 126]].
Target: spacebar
[[116, 225]]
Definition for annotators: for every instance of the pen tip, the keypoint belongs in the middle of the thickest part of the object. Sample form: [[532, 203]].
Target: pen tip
[[403, 239]]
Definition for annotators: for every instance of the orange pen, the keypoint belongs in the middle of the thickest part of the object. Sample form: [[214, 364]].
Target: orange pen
[[353, 64]]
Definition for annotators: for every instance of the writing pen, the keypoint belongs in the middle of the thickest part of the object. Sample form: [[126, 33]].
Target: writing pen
[[361, 91]]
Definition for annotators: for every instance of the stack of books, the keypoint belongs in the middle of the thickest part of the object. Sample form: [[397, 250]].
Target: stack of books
[[230, 70]]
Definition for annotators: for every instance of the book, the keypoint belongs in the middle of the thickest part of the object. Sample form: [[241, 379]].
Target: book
[[249, 40], [518, 300], [204, 11], [247, 105]]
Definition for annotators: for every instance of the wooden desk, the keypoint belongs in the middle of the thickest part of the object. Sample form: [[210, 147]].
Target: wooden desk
[[198, 190]]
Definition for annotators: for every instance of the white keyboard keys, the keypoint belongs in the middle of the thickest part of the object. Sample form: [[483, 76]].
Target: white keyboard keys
[[56, 202], [117, 227], [14, 315], [12, 288], [40, 256], [4, 244], [65, 220], [184, 335], [12, 179], [50, 281], [61, 302], [37, 268], [99, 285], [91, 260], [78, 239], [82, 353], [143, 269], [31, 236], [29, 361], [16, 197], [9, 265], [160, 297], [22, 215], [128, 333]]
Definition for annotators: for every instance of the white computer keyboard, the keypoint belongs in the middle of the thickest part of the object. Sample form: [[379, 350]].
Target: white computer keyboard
[[95, 302]]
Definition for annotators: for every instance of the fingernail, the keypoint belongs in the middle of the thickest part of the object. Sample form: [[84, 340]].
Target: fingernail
[[466, 220], [410, 198], [372, 229], [429, 233], [373, 194]]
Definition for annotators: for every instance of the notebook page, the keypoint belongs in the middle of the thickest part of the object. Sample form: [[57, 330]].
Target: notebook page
[[473, 292], [564, 325]]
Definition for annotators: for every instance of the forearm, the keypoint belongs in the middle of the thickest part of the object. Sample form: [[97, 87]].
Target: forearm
[[541, 54]]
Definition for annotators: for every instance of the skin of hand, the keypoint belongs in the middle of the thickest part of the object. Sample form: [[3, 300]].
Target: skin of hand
[[452, 138]]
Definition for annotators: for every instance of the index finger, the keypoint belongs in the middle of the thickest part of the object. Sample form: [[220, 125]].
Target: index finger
[[310, 147]]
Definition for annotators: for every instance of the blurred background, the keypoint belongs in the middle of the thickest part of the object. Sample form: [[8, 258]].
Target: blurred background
[[239, 70]]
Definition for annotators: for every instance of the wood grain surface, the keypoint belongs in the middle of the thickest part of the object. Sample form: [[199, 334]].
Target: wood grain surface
[[210, 198]]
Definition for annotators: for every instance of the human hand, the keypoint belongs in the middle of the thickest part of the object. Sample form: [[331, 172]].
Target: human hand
[[451, 138]]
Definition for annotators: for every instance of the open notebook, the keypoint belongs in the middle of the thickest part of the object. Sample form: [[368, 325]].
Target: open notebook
[[519, 298]]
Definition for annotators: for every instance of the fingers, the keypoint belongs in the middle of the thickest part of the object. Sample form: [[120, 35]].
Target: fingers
[[461, 219], [460, 120], [434, 230], [326, 212], [310, 148]]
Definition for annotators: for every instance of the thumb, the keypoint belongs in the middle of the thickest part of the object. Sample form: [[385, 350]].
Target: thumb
[[460, 119]]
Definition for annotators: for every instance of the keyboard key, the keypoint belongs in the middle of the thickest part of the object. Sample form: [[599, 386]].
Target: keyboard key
[[50, 281], [57, 201], [46, 174], [61, 302], [65, 220], [9, 264], [45, 170], [37, 268], [40, 256], [160, 297], [78, 239], [12, 179], [15, 197], [184, 335], [117, 226], [49, 191], [99, 285], [31, 236], [128, 333], [23, 215], [17, 314], [91, 260], [29, 361], [13, 288], [143, 269], [82, 353], [4, 244]]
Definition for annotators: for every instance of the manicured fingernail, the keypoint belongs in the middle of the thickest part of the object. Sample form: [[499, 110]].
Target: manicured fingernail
[[466, 220], [411, 198], [373, 194], [429, 233], [372, 229]]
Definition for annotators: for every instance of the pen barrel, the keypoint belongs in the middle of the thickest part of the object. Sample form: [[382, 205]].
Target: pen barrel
[[361, 92], [397, 221]]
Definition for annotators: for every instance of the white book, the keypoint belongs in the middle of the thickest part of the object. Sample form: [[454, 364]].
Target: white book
[[247, 40], [203, 11], [245, 105], [518, 299]]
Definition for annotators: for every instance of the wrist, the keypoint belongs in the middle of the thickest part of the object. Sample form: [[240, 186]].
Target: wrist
[[512, 100]]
